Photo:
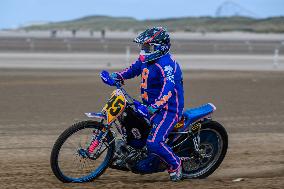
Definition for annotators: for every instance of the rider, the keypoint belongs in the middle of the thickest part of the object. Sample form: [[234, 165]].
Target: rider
[[161, 91]]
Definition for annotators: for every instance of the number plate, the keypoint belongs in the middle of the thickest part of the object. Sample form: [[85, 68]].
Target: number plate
[[114, 106]]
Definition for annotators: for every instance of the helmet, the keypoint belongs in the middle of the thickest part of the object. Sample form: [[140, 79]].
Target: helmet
[[154, 43]]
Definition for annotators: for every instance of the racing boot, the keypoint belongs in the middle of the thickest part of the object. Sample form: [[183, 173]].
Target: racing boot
[[176, 175]]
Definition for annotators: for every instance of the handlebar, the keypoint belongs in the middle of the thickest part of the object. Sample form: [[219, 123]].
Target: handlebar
[[141, 109], [111, 82]]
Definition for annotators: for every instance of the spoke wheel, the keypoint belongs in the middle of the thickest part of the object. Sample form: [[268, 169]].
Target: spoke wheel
[[70, 159], [213, 148]]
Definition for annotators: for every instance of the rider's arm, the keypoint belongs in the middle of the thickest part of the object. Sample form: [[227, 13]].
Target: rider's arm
[[167, 77], [133, 71]]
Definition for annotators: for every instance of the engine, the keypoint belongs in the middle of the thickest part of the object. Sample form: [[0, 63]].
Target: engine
[[131, 154], [126, 157], [137, 129]]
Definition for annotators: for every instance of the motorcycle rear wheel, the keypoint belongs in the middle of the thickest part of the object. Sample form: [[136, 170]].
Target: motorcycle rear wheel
[[69, 165], [214, 144]]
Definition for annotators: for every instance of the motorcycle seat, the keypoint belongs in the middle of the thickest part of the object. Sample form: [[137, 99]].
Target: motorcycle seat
[[193, 114]]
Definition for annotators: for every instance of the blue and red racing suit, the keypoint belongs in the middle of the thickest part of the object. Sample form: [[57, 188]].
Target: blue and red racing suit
[[161, 88]]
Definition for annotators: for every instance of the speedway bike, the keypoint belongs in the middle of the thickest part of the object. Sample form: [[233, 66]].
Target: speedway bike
[[115, 138]]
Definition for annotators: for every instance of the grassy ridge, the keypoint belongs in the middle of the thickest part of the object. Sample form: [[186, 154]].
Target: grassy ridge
[[194, 24]]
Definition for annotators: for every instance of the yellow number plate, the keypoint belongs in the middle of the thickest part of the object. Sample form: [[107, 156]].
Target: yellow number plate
[[114, 106]]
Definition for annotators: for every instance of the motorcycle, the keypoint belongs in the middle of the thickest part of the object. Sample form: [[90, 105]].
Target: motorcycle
[[116, 138]]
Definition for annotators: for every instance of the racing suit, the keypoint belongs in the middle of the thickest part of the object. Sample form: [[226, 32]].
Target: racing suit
[[161, 88]]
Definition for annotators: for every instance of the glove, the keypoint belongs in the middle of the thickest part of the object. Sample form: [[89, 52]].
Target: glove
[[117, 78], [152, 110]]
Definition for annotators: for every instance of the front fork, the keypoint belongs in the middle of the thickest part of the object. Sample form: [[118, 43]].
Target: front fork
[[93, 147], [97, 138]]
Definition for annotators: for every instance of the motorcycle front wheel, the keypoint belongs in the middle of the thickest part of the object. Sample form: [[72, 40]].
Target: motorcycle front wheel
[[69, 160]]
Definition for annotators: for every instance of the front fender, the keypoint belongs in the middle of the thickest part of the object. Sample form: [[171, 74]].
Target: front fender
[[97, 115]]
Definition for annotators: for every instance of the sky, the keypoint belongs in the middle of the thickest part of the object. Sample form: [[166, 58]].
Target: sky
[[15, 13]]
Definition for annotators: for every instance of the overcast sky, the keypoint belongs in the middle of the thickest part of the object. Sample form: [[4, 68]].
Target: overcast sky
[[14, 13]]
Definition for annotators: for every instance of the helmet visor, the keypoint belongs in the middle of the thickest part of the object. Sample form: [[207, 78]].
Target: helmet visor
[[147, 48]]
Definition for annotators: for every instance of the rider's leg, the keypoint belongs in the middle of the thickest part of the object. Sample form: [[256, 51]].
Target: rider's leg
[[163, 123]]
